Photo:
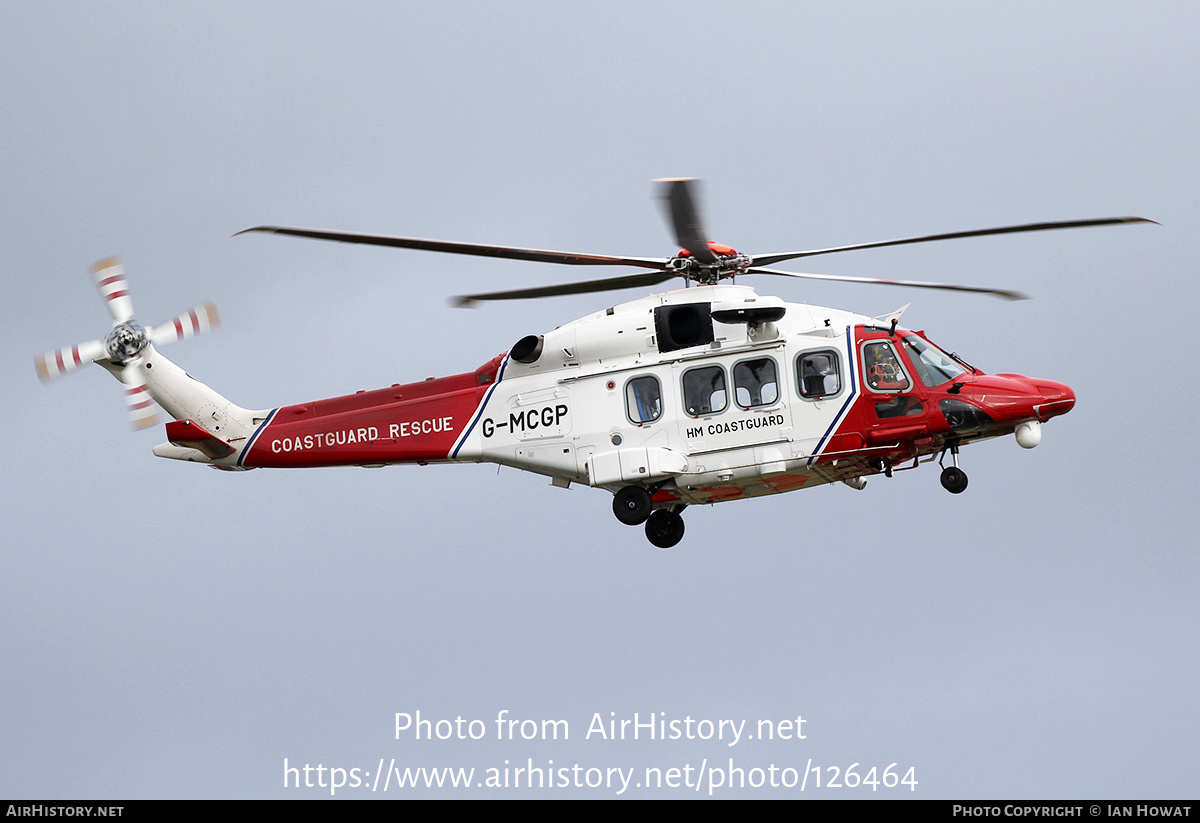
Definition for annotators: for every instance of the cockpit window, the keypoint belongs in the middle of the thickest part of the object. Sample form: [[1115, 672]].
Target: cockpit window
[[933, 366], [883, 370]]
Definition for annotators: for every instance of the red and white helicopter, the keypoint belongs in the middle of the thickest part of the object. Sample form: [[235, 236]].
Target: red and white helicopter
[[704, 394]]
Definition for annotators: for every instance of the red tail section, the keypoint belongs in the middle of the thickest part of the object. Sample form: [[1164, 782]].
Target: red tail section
[[411, 423]]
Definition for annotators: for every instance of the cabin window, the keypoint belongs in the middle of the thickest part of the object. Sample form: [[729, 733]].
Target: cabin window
[[818, 374], [882, 368], [756, 383], [643, 399], [704, 391]]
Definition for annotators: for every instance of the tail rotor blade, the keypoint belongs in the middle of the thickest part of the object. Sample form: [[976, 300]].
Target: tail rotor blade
[[137, 400], [109, 276], [199, 319], [54, 364], [110, 279]]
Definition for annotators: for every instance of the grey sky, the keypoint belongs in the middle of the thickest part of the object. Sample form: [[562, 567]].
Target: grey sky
[[169, 631]]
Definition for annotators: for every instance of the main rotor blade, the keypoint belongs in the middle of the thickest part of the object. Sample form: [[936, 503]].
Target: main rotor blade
[[1005, 293], [606, 284], [480, 250], [770, 259], [681, 210]]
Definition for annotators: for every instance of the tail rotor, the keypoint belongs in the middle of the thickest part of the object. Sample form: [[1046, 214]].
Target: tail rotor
[[122, 348]]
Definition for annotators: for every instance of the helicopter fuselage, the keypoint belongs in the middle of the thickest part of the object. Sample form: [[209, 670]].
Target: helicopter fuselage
[[699, 395]]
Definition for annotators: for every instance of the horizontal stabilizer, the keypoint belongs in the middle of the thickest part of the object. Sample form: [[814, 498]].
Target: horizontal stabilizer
[[192, 435]]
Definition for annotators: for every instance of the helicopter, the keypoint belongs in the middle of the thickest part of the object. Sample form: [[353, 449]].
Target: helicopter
[[700, 395]]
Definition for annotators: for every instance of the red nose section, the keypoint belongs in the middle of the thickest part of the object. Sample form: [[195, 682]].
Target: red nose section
[[1059, 399]]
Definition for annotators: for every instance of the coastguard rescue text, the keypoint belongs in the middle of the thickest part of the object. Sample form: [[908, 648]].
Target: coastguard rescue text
[[363, 434]]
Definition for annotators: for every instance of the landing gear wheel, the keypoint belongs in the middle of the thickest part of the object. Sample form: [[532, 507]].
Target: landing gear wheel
[[954, 480], [664, 528], [632, 505]]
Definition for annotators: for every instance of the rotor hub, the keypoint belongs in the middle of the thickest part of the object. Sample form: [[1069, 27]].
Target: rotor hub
[[126, 342], [727, 265]]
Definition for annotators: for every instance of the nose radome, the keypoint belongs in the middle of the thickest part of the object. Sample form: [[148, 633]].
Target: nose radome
[[1059, 398]]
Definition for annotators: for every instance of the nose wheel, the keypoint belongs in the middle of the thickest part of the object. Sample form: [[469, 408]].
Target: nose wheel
[[954, 479]]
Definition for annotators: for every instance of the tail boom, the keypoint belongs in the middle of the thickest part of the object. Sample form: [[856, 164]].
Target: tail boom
[[410, 423]]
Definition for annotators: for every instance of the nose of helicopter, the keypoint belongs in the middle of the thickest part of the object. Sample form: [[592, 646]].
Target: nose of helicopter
[[1059, 398]]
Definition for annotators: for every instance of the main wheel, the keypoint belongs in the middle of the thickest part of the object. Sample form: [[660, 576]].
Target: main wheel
[[664, 528], [632, 505], [954, 480]]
